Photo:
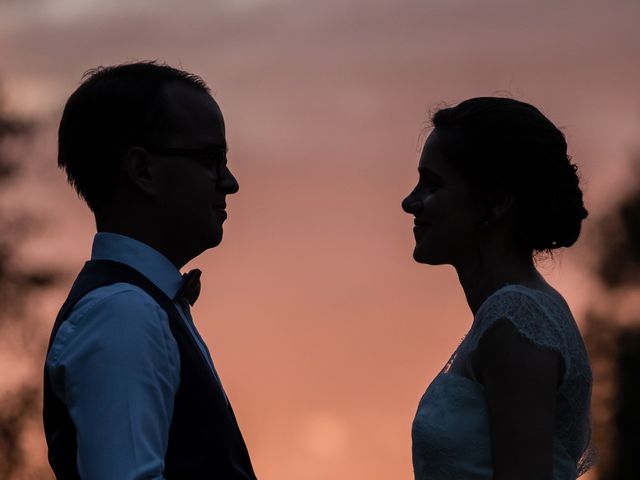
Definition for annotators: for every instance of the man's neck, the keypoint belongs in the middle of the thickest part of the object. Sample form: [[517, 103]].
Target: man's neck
[[153, 239]]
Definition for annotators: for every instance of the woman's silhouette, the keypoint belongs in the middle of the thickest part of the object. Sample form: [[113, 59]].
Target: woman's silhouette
[[496, 187]]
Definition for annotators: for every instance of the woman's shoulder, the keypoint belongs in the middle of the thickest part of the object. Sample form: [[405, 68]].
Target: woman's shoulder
[[541, 316], [524, 303]]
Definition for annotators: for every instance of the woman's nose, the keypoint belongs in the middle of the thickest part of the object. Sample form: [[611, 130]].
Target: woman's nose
[[410, 204], [228, 182]]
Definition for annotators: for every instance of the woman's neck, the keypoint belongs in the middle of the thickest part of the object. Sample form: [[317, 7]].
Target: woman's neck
[[481, 279]]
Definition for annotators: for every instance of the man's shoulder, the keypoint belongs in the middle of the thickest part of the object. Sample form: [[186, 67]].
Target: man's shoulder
[[117, 298], [109, 313]]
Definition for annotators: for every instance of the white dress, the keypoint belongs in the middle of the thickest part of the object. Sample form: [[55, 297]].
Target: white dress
[[451, 428]]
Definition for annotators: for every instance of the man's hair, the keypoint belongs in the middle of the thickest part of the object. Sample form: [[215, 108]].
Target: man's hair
[[114, 109]]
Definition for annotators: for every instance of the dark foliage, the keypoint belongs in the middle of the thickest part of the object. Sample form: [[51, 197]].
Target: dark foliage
[[619, 264], [626, 413], [613, 339], [20, 406]]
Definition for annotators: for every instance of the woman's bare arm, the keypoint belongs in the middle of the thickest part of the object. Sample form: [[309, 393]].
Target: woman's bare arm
[[521, 384]]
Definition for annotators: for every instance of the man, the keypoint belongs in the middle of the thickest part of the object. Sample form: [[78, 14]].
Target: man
[[130, 388]]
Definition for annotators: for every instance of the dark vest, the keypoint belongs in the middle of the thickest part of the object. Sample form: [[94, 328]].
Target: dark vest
[[204, 439]]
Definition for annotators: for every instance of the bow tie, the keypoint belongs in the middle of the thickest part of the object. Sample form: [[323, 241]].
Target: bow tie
[[190, 289]]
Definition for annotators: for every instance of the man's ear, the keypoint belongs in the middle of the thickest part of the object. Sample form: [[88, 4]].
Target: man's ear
[[137, 169]]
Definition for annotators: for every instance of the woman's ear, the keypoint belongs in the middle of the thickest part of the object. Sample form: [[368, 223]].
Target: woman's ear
[[497, 205], [500, 204], [137, 169]]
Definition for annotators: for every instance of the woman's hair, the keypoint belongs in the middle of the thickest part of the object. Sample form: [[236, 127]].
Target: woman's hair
[[501, 144]]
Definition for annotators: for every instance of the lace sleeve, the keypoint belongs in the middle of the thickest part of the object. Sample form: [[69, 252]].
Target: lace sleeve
[[547, 323], [588, 460], [530, 318]]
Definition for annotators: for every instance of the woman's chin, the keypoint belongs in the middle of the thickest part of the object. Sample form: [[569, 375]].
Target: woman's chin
[[422, 256]]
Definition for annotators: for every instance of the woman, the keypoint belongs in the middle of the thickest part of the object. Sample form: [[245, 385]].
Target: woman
[[496, 187]]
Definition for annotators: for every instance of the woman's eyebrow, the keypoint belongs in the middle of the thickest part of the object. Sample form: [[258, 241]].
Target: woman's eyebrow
[[430, 173]]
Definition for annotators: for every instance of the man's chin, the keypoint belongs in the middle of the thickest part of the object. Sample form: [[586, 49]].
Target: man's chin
[[216, 242], [216, 238], [210, 239]]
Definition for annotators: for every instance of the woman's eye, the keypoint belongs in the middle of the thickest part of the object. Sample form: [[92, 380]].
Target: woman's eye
[[429, 184], [430, 187]]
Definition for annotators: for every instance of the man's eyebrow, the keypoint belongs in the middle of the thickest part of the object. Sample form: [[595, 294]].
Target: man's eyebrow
[[217, 148]]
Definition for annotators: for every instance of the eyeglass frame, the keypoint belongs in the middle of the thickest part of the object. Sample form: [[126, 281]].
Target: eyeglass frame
[[201, 155]]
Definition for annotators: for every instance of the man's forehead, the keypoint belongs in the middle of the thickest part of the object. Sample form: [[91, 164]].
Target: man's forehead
[[190, 101], [194, 114]]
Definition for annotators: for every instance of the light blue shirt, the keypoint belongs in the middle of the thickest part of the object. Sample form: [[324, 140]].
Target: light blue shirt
[[116, 366]]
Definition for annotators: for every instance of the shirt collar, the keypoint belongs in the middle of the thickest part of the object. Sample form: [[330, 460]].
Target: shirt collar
[[145, 259]]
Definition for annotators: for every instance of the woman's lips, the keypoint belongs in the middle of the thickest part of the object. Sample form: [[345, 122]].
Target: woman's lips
[[220, 212], [420, 227]]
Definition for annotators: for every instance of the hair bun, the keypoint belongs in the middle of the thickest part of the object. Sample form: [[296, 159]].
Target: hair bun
[[553, 211], [502, 143]]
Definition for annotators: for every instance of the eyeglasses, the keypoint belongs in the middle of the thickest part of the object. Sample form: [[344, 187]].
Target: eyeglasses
[[213, 158]]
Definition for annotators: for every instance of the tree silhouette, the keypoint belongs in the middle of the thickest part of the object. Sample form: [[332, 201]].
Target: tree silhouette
[[20, 336], [619, 265], [612, 335]]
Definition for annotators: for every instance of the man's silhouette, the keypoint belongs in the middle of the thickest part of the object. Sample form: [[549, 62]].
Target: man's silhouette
[[130, 388]]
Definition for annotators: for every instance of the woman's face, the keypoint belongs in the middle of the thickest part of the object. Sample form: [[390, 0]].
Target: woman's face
[[446, 216]]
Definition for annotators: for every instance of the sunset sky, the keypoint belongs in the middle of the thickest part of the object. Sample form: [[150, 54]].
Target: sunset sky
[[324, 330]]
